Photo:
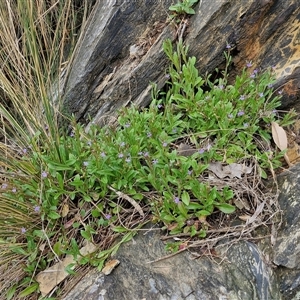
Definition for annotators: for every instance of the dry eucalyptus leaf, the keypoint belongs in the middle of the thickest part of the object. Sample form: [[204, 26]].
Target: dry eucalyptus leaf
[[279, 136], [231, 170], [51, 277], [186, 150], [217, 169]]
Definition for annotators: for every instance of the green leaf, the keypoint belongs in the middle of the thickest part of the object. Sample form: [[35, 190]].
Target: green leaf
[[182, 210], [119, 229], [19, 250], [194, 206], [189, 10], [263, 174], [96, 213], [85, 234], [185, 197], [226, 208], [57, 248], [53, 215], [70, 269], [11, 291], [167, 218], [29, 290]]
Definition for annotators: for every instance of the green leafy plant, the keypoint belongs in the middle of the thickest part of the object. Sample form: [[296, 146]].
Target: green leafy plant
[[184, 7], [63, 187]]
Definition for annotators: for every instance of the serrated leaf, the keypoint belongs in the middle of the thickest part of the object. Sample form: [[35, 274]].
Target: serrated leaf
[[279, 136]]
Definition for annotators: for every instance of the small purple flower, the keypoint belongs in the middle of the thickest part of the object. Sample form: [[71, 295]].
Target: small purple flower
[[37, 209], [167, 76], [24, 151], [121, 155], [176, 200], [252, 75], [107, 216], [149, 134], [255, 71], [228, 46], [190, 172], [249, 64], [128, 159], [4, 186], [242, 97], [159, 106], [155, 161], [23, 230], [280, 92], [270, 85], [72, 134], [103, 154], [230, 116], [221, 86], [246, 125], [14, 190], [127, 125], [85, 163], [44, 174], [240, 113], [261, 95], [122, 144], [165, 144], [146, 154], [201, 151]]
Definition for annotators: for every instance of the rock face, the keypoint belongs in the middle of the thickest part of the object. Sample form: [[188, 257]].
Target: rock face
[[286, 248], [244, 271], [120, 51], [243, 275]]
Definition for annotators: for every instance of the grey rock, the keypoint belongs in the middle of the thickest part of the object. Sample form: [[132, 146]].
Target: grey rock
[[120, 51], [286, 249], [242, 275]]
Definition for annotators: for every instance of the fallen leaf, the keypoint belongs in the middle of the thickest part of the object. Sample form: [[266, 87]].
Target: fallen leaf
[[244, 218], [279, 136], [51, 277], [231, 170], [280, 139], [130, 200], [217, 169], [110, 266], [65, 210], [69, 223], [257, 212], [241, 203], [186, 150]]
